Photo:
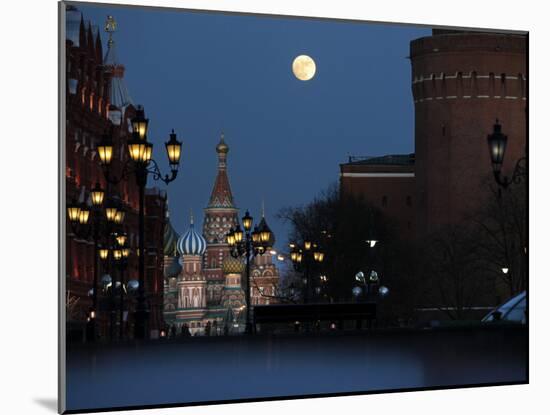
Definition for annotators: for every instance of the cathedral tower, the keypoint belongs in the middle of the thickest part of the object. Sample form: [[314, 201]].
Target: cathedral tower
[[219, 216]]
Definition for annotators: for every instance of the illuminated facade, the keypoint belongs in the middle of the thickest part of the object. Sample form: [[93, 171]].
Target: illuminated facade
[[97, 102]]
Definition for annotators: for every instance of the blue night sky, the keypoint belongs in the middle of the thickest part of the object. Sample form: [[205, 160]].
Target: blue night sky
[[201, 73]]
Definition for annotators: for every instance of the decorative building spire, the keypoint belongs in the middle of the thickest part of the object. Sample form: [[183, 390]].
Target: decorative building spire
[[191, 220], [119, 98], [263, 208], [110, 28], [221, 196]]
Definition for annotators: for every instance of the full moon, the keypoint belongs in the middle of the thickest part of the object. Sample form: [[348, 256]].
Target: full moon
[[303, 67]]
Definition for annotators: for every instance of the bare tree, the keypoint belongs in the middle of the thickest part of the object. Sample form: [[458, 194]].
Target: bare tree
[[502, 228], [453, 272]]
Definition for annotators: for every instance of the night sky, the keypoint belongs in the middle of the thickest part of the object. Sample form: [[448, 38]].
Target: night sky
[[201, 73]]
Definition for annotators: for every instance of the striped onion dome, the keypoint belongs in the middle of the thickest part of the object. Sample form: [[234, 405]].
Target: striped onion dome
[[232, 265], [191, 242]]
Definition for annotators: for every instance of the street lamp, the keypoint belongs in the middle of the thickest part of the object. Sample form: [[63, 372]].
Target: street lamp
[[103, 253], [121, 238], [73, 211], [84, 215], [370, 283], [97, 194], [249, 244], [110, 211], [140, 123], [105, 149], [141, 164], [497, 142], [119, 216], [308, 254]]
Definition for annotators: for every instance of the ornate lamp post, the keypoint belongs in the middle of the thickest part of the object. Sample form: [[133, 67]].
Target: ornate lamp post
[[497, 148], [141, 165], [304, 257], [79, 217], [248, 243]]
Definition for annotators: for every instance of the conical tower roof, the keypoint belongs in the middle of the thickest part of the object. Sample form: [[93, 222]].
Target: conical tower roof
[[221, 196]]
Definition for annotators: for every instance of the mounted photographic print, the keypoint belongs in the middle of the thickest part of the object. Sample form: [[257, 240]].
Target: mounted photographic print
[[259, 207]]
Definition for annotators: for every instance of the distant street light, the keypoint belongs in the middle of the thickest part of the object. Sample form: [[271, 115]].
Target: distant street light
[[304, 257], [383, 291]]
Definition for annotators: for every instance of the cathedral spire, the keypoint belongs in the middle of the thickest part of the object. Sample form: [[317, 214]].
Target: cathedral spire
[[221, 196]]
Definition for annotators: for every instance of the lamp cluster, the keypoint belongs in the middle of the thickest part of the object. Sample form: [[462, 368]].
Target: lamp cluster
[[297, 252], [259, 238], [139, 149], [246, 242]]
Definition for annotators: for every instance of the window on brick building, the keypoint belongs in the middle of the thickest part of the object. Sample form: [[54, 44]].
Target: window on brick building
[[409, 201], [384, 200]]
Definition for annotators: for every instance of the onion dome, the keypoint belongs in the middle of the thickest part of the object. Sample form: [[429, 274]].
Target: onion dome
[[170, 238], [222, 147], [232, 265], [191, 242]]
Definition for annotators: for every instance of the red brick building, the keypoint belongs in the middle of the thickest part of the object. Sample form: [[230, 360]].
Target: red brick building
[[98, 103], [461, 83], [386, 183]]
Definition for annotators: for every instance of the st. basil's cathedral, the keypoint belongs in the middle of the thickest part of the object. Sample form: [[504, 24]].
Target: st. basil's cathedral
[[203, 284]]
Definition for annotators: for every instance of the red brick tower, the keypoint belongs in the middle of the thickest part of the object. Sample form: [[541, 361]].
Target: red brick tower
[[219, 216], [461, 83]]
